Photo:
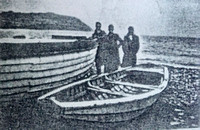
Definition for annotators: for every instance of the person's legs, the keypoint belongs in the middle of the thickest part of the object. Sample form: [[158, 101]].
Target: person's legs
[[134, 58], [114, 64], [98, 67], [106, 69], [98, 60], [127, 61], [123, 61], [98, 64]]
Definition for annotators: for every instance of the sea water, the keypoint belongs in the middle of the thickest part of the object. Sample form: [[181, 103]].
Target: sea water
[[172, 51]]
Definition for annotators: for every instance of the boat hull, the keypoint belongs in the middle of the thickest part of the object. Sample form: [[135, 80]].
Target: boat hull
[[114, 97], [112, 113], [34, 69], [107, 118]]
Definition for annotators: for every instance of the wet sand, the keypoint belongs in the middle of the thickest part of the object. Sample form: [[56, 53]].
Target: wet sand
[[177, 107]]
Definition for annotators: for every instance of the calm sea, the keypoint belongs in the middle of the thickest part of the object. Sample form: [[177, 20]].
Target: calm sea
[[172, 51]]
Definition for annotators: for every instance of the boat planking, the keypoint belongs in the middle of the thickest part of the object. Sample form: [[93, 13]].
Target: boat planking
[[36, 65], [115, 97]]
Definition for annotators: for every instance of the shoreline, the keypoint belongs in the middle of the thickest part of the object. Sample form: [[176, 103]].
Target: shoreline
[[178, 66]]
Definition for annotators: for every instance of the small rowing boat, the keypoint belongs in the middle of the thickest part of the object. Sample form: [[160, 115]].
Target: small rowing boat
[[118, 96]]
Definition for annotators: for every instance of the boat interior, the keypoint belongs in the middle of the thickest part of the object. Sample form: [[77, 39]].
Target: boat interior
[[111, 86]]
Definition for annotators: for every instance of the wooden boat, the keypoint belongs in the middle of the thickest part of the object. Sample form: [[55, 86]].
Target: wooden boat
[[35, 66], [114, 97]]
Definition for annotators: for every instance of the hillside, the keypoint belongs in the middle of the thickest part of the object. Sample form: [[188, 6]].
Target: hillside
[[41, 21]]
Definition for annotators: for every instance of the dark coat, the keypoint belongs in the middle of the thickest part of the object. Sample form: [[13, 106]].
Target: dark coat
[[100, 36], [111, 53], [130, 49]]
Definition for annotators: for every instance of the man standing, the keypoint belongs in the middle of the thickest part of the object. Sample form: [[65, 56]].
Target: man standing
[[99, 35], [130, 48], [112, 61]]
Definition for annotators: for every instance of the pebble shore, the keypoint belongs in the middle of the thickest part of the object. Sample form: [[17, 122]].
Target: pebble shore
[[177, 107]]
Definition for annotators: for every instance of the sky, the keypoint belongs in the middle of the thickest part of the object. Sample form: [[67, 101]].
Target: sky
[[148, 17]]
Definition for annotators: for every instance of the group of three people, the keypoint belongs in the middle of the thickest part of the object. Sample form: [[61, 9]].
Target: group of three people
[[108, 49]]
